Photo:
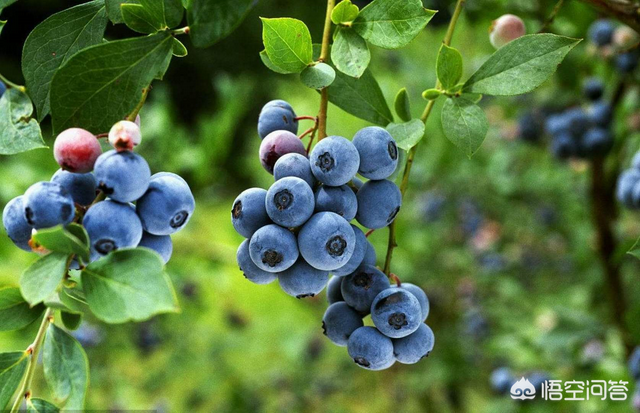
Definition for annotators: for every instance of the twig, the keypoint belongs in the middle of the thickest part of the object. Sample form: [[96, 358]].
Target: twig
[[551, 17], [324, 55], [12, 85]]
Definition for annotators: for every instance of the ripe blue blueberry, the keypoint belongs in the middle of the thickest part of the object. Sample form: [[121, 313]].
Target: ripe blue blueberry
[[370, 349], [420, 295], [161, 244], [414, 347], [556, 124], [627, 181], [370, 256], [15, 223], [356, 184], [122, 176], [378, 152], [563, 146], [294, 164], [47, 204], [249, 212], [339, 199], [601, 114], [537, 379], [290, 202], [251, 270], [501, 380], [3, 88], [357, 257], [529, 128], [396, 312], [635, 161], [334, 161], [334, 293], [593, 88], [276, 115], [326, 241], [597, 141], [111, 226], [627, 62], [302, 280], [339, 322], [634, 364], [273, 248], [601, 32], [378, 203], [578, 121], [167, 205], [361, 287], [82, 187]]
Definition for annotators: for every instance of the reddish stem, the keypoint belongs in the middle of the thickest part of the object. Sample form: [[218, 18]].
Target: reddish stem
[[307, 117], [307, 132], [102, 135], [395, 278], [369, 233]]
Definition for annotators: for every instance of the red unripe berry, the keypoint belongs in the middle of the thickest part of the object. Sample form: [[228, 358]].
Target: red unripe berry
[[76, 150], [505, 29], [124, 135], [277, 144]]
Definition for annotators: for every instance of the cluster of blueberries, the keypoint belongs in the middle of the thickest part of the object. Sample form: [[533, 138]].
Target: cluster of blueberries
[[618, 41], [628, 187], [503, 378], [299, 232], [163, 202]]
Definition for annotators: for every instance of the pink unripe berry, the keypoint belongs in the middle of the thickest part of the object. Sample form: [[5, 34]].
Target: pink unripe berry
[[76, 150], [505, 29], [124, 135], [276, 144], [137, 121], [625, 37]]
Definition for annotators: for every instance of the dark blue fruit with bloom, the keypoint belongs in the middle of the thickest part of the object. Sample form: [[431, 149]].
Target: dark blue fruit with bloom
[[249, 268], [3, 88], [327, 241], [290, 202], [339, 199], [339, 322], [161, 244], [357, 257], [597, 142], [627, 62], [378, 152], [634, 364], [396, 312], [414, 347], [501, 380], [15, 223], [334, 161], [378, 203], [47, 204], [529, 127], [420, 295], [563, 146], [122, 176], [82, 187], [601, 32], [294, 164], [276, 115], [601, 114], [167, 205], [627, 181], [361, 287], [273, 248], [334, 292], [370, 349], [593, 88], [249, 212], [111, 226], [302, 280], [370, 256]]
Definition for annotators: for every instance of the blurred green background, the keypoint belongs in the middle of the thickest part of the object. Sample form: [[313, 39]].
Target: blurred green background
[[503, 243]]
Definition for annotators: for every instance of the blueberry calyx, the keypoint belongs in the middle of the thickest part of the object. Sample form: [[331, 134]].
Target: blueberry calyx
[[336, 246], [105, 246], [28, 214], [398, 320], [283, 199], [362, 280], [325, 162], [179, 219], [392, 215], [362, 361], [236, 211], [393, 150], [272, 258]]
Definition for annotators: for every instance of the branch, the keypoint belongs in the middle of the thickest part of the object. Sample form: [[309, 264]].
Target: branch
[[626, 11]]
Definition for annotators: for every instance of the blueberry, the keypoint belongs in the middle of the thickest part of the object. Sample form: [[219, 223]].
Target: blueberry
[[326, 241], [537, 379], [414, 347], [273, 248], [370, 256], [159, 243], [3, 88], [124, 135], [627, 62], [635, 196], [501, 380], [276, 115], [15, 223], [396, 312], [361, 287], [597, 141], [302, 280], [249, 212], [277, 144], [601, 114], [378, 203], [529, 127], [290, 202], [506, 28], [578, 121], [76, 150], [593, 88], [167, 205], [563, 146], [370, 349], [334, 293], [356, 184], [294, 164], [557, 124], [626, 183], [122, 176], [82, 187], [378, 152], [251, 270], [357, 257], [334, 161], [339, 322], [420, 295], [601, 32], [88, 335], [634, 364], [635, 161], [339, 199], [111, 226], [47, 204]]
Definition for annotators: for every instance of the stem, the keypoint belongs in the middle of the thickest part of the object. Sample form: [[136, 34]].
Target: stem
[[12, 85], [33, 350], [404, 184], [313, 118], [132, 116], [324, 55], [552, 16], [307, 132], [177, 32], [626, 11]]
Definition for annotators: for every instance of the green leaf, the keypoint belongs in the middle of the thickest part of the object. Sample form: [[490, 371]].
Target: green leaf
[[360, 97], [344, 12], [210, 21], [113, 9], [128, 285], [2, 23], [350, 53], [287, 43], [464, 123], [71, 301], [407, 134], [635, 249], [43, 277], [12, 368], [71, 320], [269, 64], [151, 16], [6, 3], [402, 105], [392, 24], [431, 94], [18, 131], [521, 65], [138, 19], [54, 41], [449, 66], [41, 406], [66, 368], [15, 312], [73, 240], [102, 84], [179, 49], [318, 76]]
